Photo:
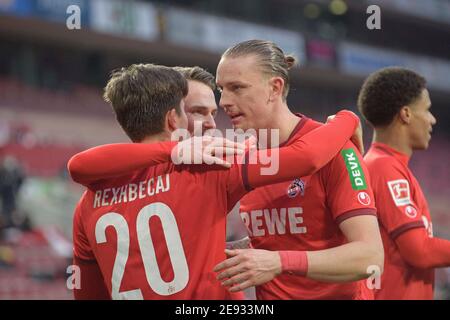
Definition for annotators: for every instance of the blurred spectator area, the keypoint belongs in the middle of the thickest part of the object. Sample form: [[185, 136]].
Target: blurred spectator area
[[59, 114]]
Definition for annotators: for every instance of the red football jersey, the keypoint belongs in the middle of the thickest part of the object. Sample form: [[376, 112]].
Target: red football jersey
[[401, 206], [142, 231], [304, 214], [158, 233]]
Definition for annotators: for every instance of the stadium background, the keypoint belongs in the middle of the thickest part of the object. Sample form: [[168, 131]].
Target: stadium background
[[51, 81]]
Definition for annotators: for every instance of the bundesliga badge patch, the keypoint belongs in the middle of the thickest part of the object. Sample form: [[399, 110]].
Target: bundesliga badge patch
[[400, 192], [296, 187]]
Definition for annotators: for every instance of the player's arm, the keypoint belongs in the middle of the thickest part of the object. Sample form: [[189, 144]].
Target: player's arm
[[306, 155], [421, 251], [349, 262], [114, 160], [90, 283], [349, 201], [401, 217]]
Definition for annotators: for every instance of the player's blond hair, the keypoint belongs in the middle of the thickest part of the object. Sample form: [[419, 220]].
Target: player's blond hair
[[271, 59]]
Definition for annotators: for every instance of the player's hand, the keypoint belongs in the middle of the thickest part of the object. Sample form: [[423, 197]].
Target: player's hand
[[206, 150], [357, 137], [248, 267]]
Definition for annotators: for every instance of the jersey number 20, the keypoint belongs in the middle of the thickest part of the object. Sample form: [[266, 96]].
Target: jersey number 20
[[152, 272]]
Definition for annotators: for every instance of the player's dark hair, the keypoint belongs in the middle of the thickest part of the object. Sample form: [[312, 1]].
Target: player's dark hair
[[141, 95], [198, 74], [386, 91], [271, 59]]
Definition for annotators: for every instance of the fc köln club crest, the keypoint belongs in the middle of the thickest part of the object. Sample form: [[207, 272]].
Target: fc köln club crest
[[297, 186]]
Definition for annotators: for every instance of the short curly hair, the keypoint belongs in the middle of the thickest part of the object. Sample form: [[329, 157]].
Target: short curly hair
[[386, 91]]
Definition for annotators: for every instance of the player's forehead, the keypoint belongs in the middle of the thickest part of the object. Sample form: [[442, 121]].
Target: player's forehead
[[423, 101], [200, 95], [426, 97], [237, 70]]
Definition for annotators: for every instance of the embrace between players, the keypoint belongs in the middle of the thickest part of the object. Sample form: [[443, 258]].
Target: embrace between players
[[151, 225]]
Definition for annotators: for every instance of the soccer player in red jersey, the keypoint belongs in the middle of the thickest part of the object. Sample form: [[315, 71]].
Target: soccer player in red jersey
[[396, 103], [200, 103], [315, 235], [149, 233]]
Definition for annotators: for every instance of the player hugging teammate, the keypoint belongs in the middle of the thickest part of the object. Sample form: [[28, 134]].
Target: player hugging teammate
[[314, 226]]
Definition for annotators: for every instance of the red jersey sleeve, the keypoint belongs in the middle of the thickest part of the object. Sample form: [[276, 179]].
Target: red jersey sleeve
[[396, 208], [347, 185], [304, 156], [114, 160], [421, 251], [81, 248], [236, 188]]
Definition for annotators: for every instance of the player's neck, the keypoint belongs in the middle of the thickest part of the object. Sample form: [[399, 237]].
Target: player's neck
[[164, 136], [394, 138], [283, 120]]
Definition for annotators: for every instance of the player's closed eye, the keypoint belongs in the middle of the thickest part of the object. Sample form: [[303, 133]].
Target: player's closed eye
[[236, 87], [200, 111]]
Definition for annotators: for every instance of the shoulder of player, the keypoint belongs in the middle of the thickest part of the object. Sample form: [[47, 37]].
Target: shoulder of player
[[134, 176], [201, 168], [349, 147], [204, 173], [383, 165], [306, 125], [311, 124], [83, 198], [347, 157], [82, 204]]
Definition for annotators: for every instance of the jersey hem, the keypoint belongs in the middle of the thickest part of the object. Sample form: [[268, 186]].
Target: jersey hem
[[354, 213], [405, 227]]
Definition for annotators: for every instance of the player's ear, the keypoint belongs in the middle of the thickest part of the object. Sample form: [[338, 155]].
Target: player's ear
[[276, 88], [172, 120], [405, 115]]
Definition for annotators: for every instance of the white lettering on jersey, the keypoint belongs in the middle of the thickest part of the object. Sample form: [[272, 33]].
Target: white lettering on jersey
[[274, 220], [131, 191], [257, 223], [246, 219], [105, 196], [98, 196], [295, 220], [115, 197]]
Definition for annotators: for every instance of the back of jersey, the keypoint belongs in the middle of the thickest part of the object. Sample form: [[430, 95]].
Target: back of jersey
[[158, 233]]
